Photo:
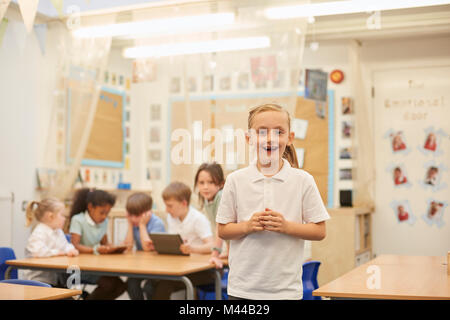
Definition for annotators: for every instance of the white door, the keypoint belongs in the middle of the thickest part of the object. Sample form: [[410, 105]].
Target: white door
[[409, 104]]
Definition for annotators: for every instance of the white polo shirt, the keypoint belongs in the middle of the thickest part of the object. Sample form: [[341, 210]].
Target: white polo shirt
[[267, 265], [194, 228]]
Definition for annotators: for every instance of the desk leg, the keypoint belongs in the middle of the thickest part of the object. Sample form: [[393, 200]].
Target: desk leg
[[218, 284], [8, 272], [189, 288]]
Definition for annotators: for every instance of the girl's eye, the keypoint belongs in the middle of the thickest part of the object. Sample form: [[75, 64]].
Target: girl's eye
[[262, 132]]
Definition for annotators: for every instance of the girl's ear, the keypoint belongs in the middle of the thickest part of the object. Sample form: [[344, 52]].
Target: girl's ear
[[291, 137], [90, 207]]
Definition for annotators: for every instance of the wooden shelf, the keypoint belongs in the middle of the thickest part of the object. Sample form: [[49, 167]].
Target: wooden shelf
[[347, 244]]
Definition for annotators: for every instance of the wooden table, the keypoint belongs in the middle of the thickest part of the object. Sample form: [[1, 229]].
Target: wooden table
[[24, 292], [135, 265], [401, 277]]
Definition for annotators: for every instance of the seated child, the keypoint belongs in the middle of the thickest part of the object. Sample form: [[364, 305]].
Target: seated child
[[195, 230], [141, 222], [47, 238], [88, 228]]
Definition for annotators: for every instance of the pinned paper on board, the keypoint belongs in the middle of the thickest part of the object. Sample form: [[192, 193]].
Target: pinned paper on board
[[299, 126], [435, 212], [300, 156], [403, 212]]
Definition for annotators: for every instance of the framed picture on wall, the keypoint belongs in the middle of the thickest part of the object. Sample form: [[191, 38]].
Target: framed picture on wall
[[154, 155], [175, 85], [155, 112], [347, 105], [192, 84], [345, 153], [155, 134], [243, 81], [347, 129], [225, 83], [155, 173], [208, 83], [345, 174]]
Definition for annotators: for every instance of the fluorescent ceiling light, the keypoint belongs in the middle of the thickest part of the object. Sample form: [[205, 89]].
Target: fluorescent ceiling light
[[175, 49], [158, 26], [346, 7]]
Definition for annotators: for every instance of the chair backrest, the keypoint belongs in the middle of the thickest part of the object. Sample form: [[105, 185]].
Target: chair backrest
[[310, 270], [27, 282], [7, 254]]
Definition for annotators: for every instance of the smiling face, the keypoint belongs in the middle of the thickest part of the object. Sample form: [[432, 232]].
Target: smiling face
[[270, 134]]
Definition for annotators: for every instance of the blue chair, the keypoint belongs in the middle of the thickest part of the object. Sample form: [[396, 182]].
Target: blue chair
[[7, 254], [27, 282], [208, 292], [309, 279], [68, 237]]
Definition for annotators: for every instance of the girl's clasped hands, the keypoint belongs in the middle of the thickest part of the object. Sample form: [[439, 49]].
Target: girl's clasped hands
[[267, 220]]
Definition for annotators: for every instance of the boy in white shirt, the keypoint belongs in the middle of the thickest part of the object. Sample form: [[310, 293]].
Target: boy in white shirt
[[195, 230]]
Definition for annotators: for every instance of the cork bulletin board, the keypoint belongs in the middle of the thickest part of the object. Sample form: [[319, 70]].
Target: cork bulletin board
[[231, 111], [106, 144]]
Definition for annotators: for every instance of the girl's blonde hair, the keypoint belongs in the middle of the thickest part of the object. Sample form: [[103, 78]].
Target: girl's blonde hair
[[38, 209], [289, 153]]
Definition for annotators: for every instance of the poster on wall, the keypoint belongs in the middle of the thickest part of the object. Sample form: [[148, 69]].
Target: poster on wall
[[435, 212], [263, 69], [433, 140], [403, 212], [316, 82], [144, 70], [433, 176], [397, 141], [412, 157], [399, 175], [105, 145]]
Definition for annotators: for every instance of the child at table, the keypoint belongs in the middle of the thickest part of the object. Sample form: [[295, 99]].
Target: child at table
[[209, 181], [47, 238], [267, 211], [88, 226], [141, 222], [195, 230]]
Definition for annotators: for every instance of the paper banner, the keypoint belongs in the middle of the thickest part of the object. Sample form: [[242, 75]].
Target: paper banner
[[3, 7], [58, 4], [28, 9], [41, 34], [3, 26]]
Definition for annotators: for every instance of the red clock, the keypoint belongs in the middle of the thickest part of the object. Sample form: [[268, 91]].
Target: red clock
[[336, 76]]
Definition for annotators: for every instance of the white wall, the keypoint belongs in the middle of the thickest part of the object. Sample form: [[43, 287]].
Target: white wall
[[26, 84]]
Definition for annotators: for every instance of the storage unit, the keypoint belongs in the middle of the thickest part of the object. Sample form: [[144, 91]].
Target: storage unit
[[347, 245]]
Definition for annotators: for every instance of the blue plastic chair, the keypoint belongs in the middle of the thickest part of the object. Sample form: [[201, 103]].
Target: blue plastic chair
[[309, 279], [7, 254], [27, 282], [208, 292]]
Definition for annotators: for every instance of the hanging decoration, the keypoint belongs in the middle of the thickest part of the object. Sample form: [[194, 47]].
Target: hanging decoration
[[28, 9], [3, 7]]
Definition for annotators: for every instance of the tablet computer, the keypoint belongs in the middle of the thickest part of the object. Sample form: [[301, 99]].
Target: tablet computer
[[167, 243], [118, 249]]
